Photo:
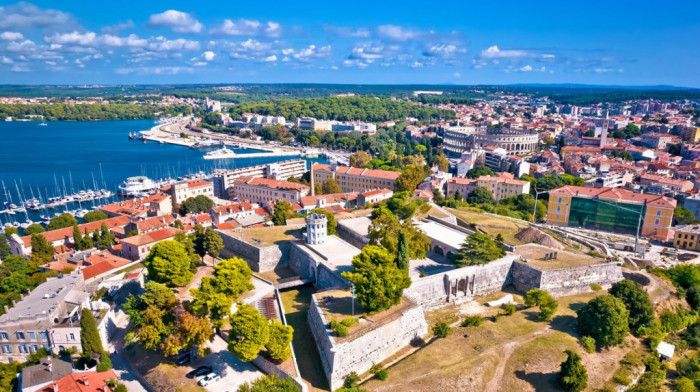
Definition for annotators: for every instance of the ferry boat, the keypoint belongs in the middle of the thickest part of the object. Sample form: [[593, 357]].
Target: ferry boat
[[223, 153], [136, 185]]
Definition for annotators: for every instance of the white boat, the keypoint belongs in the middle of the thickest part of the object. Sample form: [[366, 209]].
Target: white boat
[[222, 153], [43, 124], [137, 185], [81, 213]]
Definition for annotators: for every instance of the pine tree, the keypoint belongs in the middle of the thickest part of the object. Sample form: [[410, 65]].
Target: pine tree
[[457, 196], [573, 376], [77, 238], [106, 238], [87, 241], [89, 336], [402, 256]]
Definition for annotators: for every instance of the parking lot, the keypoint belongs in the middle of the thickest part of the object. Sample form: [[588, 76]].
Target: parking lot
[[233, 372]]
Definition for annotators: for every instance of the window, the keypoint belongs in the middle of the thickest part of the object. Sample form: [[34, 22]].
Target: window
[[32, 335], [656, 221], [20, 335], [71, 336], [3, 335], [558, 208], [33, 348], [560, 200], [44, 336], [23, 349], [658, 212], [6, 349]]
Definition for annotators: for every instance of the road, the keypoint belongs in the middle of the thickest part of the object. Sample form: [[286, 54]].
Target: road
[[233, 372], [127, 376]]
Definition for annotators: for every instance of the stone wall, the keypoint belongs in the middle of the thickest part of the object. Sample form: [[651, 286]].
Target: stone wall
[[525, 277], [260, 259], [572, 281], [351, 237], [461, 284], [327, 278], [374, 346], [301, 262]]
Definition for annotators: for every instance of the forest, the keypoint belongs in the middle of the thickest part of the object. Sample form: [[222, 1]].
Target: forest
[[89, 112], [345, 109]]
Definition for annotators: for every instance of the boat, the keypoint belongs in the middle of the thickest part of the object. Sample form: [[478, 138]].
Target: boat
[[136, 185], [133, 136], [81, 213], [222, 153], [43, 124]]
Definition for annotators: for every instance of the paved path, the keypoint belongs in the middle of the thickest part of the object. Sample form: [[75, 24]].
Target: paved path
[[127, 376], [233, 372]]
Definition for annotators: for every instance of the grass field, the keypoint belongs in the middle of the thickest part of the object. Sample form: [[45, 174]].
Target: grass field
[[491, 224], [515, 353], [296, 306], [266, 236], [535, 255]]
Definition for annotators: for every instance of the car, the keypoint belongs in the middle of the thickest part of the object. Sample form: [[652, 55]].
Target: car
[[183, 359], [200, 371], [208, 379]]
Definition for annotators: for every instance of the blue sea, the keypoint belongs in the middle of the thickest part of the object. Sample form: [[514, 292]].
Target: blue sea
[[41, 159]]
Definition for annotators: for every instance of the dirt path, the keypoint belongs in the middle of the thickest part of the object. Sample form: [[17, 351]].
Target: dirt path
[[506, 351]]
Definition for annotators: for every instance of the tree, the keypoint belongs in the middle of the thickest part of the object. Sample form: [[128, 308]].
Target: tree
[[78, 238], [379, 283], [438, 198], [478, 248], [359, 159], [330, 186], [87, 241], [548, 305], [605, 319], [10, 230], [62, 221], [410, 177], [442, 163], [384, 231], [480, 195], [693, 297], [207, 242], [441, 329], [282, 212], [195, 205], [458, 196], [478, 171], [4, 247], [637, 301], [250, 331], [34, 228], [573, 376], [683, 215], [402, 254], [106, 238], [233, 277], [279, 344], [89, 335], [169, 263], [94, 216], [330, 219], [270, 383], [42, 249], [210, 302], [190, 331]]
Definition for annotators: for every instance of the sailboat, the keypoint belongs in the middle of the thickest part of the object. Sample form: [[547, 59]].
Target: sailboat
[[43, 124]]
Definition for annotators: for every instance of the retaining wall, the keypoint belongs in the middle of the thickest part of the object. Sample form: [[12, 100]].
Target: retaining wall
[[571, 281], [351, 237], [259, 258]]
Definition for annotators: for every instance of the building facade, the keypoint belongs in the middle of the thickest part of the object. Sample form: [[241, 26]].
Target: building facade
[[515, 141], [184, 190], [687, 237], [612, 209], [282, 170], [137, 247], [268, 191], [353, 179]]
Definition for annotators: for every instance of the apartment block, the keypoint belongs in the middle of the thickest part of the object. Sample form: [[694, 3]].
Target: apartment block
[[267, 191], [353, 179]]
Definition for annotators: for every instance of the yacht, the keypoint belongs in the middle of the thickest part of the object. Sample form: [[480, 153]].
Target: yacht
[[43, 124], [136, 185], [223, 153]]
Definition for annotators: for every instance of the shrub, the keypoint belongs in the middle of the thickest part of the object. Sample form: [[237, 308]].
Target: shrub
[[508, 309], [588, 343], [596, 287], [341, 330], [421, 274], [573, 376], [622, 380], [351, 380], [105, 363], [382, 375], [684, 385], [349, 321], [441, 329], [472, 321]]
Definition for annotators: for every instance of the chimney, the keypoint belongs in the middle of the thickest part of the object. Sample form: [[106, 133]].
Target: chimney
[[85, 381], [55, 387], [7, 309], [50, 366]]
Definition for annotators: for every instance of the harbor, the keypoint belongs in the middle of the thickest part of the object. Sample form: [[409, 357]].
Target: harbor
[[93, 160]]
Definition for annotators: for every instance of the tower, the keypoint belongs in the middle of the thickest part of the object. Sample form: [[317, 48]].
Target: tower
[[313, 190], [316, 231]]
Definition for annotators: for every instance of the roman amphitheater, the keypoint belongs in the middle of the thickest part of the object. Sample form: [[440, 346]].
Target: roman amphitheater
[[463, 138]]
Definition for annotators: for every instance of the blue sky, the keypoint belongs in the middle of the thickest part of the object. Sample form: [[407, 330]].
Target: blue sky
[[373, 42]]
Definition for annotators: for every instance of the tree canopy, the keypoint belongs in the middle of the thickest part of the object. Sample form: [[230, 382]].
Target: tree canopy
[[573, 376], [330, 186], [93, 216], [637, 302], [548, 305], [89, 335], [384, 231], [410, 178], [480, 195], [478, 248], [169, 263], [605, 319], [34, 228], [282, 211], [250, 332], [270, 383], [196, 204], [378, 282], [207, 241], [478, 171], [359, 159], [62, 221]]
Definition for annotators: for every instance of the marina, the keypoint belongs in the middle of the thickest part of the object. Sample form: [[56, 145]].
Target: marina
[[93, 160]]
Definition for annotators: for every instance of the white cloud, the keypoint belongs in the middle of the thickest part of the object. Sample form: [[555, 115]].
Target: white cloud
[[355, 63], [21, 68], [92, 39], [178, 21], [347, 32], [6, 60], [162, 44], [273, 29], [457, 75], [526, 68], [23, 46], [249, 27], [312, 52], [154, 70], [494, 52], [270, 59], [30, 16], [396, 33], [208, 55], [11, 36]]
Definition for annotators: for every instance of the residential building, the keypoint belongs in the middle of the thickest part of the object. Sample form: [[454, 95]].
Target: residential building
[[62, 237], [666, 183], [503, 186], [613, 209], [184, 190], [658, 140], [334, 202], [462, 185], [693, 204], [153, 205], [312, 124], [687, 237], [266, 191], [221, 214], [353, 179], [82, 382], [44, 374], [372, 197], [690, 134], [150, 224], [138, 246], [49, 317], [283, 170]]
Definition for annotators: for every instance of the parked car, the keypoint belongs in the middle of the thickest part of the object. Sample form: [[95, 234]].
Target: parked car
[[184, 359], [200, 371], [208, 379]]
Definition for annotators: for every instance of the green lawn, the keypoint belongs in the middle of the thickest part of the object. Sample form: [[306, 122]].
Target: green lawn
[[296, 306]]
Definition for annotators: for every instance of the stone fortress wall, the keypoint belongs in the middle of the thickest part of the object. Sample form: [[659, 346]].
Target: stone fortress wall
[[259, 258], [374, 346]]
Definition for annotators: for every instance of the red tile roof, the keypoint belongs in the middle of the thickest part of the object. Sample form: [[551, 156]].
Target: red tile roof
[[102, 262], [149, 238], [229, 225], [616, 194], [82, 382], [384, 174], [270, 183], [67, 232]]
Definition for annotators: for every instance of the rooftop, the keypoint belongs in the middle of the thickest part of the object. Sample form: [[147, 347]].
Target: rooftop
[[442, 233], [45, 298], [535, 254], [615, 194], [151, 237], [42, 373]]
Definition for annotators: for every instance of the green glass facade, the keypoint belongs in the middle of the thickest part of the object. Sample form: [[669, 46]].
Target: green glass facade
[[607, 215]]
